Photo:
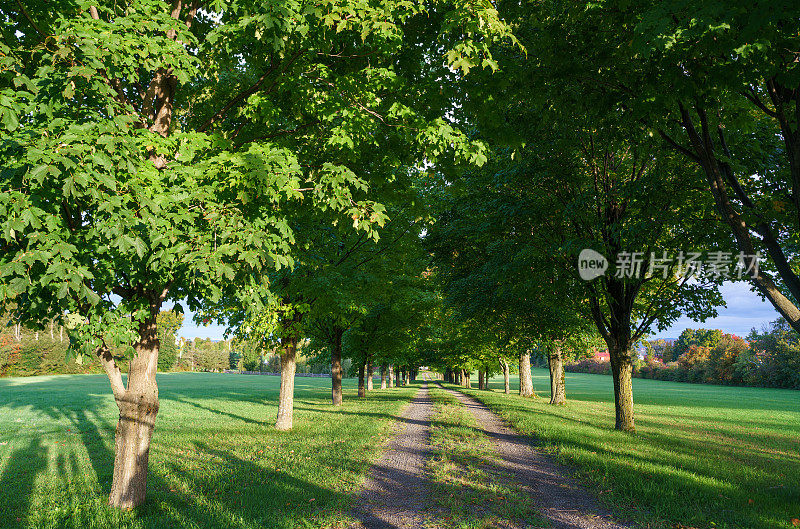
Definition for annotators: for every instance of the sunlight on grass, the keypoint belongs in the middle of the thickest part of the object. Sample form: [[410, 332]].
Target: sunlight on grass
[[215, 459], [702, 456]]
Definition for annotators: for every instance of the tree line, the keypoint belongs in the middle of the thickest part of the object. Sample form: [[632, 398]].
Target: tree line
[[402, 183]]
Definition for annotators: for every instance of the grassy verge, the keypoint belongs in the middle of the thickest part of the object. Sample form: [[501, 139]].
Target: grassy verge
[[216, 460], [468, 489], [702, 456]]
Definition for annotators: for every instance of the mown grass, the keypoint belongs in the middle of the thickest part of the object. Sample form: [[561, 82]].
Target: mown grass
[[216, 460], [702, 456], [469, 490]]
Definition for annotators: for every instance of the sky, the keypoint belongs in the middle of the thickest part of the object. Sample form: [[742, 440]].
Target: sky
[[744, 310]]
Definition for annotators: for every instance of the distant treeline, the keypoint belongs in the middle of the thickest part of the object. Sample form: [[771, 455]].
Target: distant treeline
[[768, 358]]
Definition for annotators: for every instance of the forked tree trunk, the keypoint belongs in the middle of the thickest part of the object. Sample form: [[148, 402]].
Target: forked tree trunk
[[506, 382], [525, 379], [383, 376], [286, 396], [370, 374], [390, 374], [621, 371], [336, 367], [138, 407], [362, 392], [468, 379], [558, 391]]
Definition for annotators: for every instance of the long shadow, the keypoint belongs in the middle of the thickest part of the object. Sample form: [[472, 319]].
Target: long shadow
[[248, 420], [16, 483], [239, 493], [651, 475]]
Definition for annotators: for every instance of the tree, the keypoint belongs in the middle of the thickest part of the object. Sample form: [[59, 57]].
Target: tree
[[580, 174], [168, 323], [719, 87], [151, 164]]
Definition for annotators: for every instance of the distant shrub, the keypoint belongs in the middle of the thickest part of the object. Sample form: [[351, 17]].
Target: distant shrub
[[770, 358], [590, 365]]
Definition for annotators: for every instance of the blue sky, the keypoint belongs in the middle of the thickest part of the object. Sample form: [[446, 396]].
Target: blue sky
[[744, 310]]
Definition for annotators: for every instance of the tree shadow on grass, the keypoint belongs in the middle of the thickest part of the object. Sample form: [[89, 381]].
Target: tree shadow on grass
[[230, 491], [19, 474]]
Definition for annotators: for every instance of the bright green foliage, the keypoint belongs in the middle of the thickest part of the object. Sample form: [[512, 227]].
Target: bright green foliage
[[153, 163]]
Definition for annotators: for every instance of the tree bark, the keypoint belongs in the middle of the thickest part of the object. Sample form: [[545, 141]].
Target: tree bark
[[138, 407], [362, 392], [622, 371], [383, 376], [506, 382], [468, 379], [555, 360], [286, 397], [390, 380], [480, 379], [336, 367], [525, 379], [370, 374]]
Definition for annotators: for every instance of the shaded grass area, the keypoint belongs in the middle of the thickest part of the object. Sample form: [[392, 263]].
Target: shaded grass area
[[215, 461], [702, 456], [468, 488]]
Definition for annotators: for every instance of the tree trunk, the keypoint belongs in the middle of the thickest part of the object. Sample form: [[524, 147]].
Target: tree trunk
[[506, 382], [138, 406], [480, 379], [370, 374], [383, 376], [336, 367], [558, 392], [468, 379], [286, 398], [390, 374], [525, 379], [622, 370], [362, 392]]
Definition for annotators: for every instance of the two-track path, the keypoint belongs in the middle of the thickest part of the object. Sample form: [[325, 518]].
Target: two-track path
[[397, 491]]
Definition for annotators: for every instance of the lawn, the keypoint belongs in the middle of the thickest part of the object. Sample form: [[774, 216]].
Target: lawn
[[702, 456], [215, 461]]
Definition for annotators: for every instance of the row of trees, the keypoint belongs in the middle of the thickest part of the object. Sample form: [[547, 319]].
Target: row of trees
[[672, 130], [402, 183], [155, 152]]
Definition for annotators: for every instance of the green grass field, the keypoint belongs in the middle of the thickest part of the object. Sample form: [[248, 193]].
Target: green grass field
[[702, 456], [215, 461]]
